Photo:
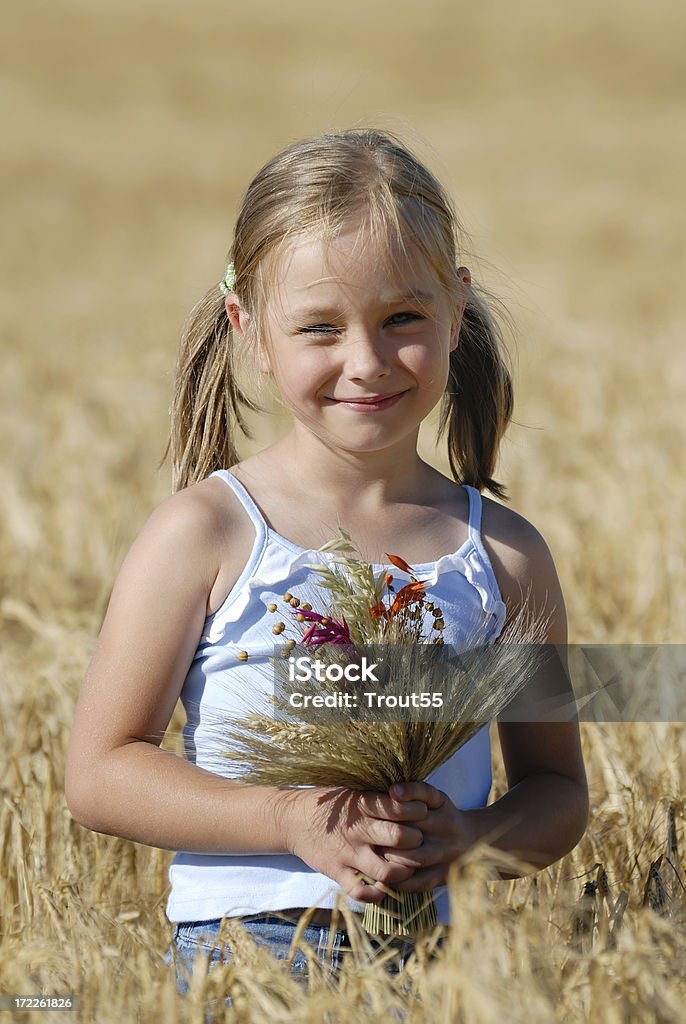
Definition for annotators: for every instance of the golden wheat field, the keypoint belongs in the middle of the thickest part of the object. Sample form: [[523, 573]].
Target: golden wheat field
[[130, 131]]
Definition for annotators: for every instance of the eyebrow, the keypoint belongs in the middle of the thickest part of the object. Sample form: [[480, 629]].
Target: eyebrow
[[322, 312], [412, 296]]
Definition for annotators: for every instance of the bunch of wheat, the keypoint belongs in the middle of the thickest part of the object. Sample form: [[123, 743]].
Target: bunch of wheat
[[370, 747]]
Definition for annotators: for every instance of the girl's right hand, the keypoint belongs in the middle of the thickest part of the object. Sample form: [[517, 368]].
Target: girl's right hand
[[336, 831]]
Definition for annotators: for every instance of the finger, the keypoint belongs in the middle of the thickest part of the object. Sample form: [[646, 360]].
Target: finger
[[384, 874], [430, 854], [422, 791], [410, 858], [380, 805], [423, 880], [377, 878], [358, 887], [394, 835]]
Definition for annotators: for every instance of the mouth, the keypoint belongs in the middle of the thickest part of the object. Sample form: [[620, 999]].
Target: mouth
[[370, 403]]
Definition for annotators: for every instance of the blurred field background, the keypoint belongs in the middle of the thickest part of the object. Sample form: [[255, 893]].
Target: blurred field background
[[130, 132]]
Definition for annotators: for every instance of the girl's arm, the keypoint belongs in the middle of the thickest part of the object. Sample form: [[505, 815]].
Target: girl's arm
[[118, 780], [545, 811]]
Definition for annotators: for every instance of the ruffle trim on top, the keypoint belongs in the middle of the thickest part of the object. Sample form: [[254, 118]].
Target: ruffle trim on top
[[273, 572], [272, 578], [476, 568], [279, 559]]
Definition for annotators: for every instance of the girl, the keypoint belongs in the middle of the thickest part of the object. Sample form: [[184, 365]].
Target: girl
[[345, 290]]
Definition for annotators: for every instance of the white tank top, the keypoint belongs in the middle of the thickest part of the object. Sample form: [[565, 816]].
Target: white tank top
[[205, 887]]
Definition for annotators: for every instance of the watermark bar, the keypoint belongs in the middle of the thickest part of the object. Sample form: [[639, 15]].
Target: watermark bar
[[33, 1003], [432, 683]]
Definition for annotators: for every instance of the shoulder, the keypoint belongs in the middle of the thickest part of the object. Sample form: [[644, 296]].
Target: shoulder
[[518, 546], [523, 564], [195, 515], [177, 539], [192, 534]]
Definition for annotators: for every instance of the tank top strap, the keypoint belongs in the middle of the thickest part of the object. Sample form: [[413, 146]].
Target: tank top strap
[[246, 501], [474, 514]]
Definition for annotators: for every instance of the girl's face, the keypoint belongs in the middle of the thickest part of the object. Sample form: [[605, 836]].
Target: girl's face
[[359, 354]]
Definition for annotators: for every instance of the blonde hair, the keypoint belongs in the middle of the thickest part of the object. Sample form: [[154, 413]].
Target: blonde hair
[[316, 185]]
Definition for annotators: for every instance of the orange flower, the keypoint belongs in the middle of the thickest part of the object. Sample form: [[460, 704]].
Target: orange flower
[[410, 594], [400, 563]]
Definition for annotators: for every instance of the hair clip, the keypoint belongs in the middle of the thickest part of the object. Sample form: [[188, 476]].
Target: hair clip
[[228, 282]]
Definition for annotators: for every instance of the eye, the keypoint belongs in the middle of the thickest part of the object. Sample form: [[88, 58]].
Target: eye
[[319, 329], [399, 319]]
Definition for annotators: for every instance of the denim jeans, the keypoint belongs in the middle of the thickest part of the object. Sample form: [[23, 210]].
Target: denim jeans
[[276, 935]]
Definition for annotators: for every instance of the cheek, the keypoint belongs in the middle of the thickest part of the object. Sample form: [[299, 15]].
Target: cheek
[[255, 350], [263, 360], [300, 373], [429, 363]]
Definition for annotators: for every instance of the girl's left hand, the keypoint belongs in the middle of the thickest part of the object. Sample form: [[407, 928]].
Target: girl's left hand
[[447, 833]]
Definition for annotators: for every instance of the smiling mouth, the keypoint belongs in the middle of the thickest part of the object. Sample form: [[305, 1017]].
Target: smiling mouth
[[370, 402], [369, 399]]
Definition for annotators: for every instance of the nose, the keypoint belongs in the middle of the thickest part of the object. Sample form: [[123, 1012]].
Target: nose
[[366, 357]]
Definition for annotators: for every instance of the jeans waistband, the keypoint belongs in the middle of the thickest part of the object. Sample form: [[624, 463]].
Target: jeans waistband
[[320, 916]]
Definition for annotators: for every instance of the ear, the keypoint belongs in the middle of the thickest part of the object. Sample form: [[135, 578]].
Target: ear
[[241, 323], [238, 317]]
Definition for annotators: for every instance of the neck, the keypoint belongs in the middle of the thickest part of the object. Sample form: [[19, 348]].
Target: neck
[[396, 474]]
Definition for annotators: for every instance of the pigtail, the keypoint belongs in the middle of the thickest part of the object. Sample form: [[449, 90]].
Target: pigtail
[[478, 401], [208, 403]]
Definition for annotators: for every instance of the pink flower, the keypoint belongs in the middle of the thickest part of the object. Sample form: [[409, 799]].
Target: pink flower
[[323, 629]]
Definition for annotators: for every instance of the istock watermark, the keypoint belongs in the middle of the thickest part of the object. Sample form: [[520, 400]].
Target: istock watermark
[[426, 682], [305, 668]]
